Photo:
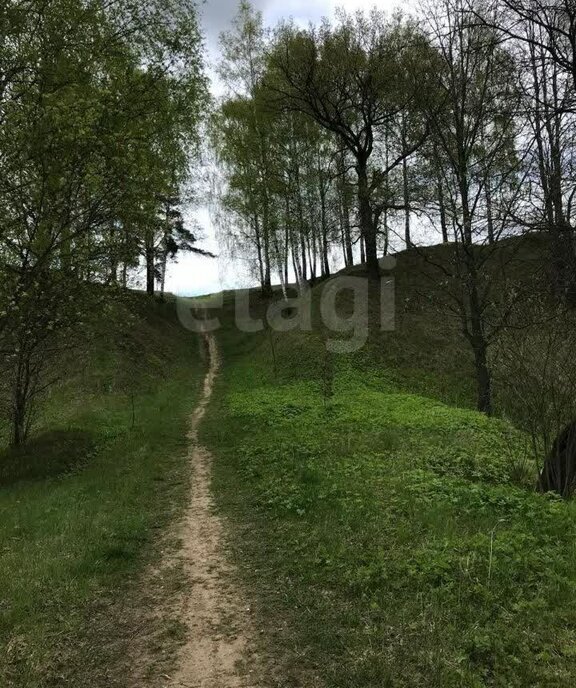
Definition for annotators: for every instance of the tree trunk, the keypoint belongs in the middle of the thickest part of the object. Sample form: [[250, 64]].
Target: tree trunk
[[296, 268], [385, 214], [113, 271], [301, 225], [348, 248], [442, 207], [259, 250], [343, 241], [483, 377], [296, 259], [476, 335], [386, 234], [304, 259], [345, 209], [559, 470], [311, 249], [280, 266], [287, 242], [324, 241], [267, 286], [18, 427], [163, 269], [150, 263], [21, 398], [367, 227], [113, 253], [489, 215], [467, 237], [406, 187], [18, 423], [267, 282]]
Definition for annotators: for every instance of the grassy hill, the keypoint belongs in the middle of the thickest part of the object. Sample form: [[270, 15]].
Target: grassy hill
[[388, 534], [82, 506], [391, 535]]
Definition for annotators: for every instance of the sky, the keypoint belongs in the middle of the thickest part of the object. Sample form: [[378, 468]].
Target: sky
[[194, 275]]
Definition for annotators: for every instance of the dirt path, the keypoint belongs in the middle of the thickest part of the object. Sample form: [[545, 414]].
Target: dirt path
[[217, 651]]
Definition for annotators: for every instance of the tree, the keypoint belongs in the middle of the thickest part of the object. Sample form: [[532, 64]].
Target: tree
[[543, 35], [241, 69], [536, 382], [475, 160], [176, 238], [355, 79], [279, 168], [547, 26], [246, 193], [79, 131]]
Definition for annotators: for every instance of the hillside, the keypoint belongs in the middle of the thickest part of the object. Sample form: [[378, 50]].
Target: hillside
[[389, 534], [356, 478], [83, 504], [378, 528]]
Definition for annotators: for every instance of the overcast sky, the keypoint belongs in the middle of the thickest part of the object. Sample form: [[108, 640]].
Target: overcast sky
[[194, 275]]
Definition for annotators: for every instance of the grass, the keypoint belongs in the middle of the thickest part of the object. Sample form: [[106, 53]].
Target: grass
[[83, 506], [389, 533]]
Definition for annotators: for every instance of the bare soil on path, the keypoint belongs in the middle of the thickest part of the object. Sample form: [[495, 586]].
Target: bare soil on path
[[218, 651]]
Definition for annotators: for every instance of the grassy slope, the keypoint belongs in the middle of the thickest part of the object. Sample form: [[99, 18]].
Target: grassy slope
[[390, 535], [79, 524]]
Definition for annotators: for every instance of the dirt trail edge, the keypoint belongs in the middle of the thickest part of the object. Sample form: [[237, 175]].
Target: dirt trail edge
[[217, 653]]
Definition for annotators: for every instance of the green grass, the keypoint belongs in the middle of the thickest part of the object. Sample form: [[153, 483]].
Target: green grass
[[389, 538], [389, 535], [83, 507]]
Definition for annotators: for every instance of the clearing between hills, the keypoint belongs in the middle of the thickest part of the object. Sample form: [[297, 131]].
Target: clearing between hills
[[380, 531]]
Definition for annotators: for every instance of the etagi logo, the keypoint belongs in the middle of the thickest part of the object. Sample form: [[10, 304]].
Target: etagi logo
[[296, 313]]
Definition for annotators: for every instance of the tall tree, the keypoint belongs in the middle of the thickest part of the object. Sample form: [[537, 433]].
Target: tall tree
[[241, 69], [474, 145], [543, 35], [355, 79], [80, 163]]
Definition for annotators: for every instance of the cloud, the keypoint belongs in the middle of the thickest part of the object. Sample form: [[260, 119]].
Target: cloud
[[216, 17], [305, 11], [218, 14]]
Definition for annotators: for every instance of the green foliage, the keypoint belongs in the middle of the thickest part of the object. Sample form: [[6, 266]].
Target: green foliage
[[392, 539], [100, 104]]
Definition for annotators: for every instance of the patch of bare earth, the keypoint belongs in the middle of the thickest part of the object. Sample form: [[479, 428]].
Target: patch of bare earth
[[217, 651]]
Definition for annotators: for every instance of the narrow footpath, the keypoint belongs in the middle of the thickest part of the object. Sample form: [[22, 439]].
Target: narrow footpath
[[217, 652]]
